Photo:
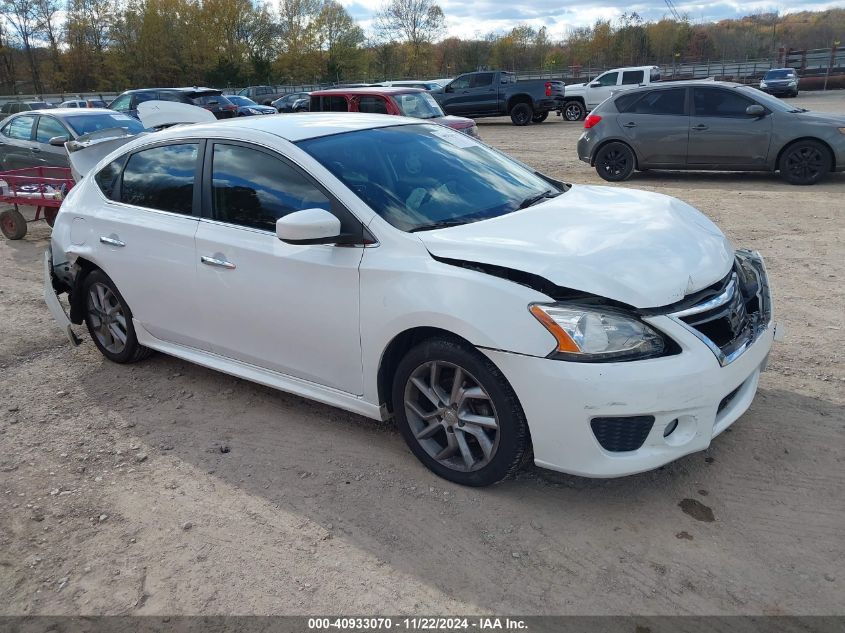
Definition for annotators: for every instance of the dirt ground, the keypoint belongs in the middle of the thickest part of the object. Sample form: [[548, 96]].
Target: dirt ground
[[116, 495]]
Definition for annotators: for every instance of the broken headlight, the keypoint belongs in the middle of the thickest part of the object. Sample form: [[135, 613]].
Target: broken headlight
[[591, 334]]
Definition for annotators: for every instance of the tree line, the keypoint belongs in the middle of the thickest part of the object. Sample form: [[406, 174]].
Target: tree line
[[50, 46]]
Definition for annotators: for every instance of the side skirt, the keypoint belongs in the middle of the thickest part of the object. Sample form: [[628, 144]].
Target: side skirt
[[297, 386]]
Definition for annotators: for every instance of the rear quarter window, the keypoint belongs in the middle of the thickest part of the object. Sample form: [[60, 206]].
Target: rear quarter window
[[107, 177]]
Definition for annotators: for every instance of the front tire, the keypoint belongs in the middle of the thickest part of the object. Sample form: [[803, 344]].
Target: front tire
[[109, 320], [615, 162], [458, 414], [805, 162], [573, 111], [521, 114]]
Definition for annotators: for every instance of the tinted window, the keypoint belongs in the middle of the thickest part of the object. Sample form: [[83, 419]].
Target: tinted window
[[482, 80], [414, 175], [48, 127], [121, 103], [461, 83], [107, 177], [608, 79], [331, 104], [626, 100], [372, 105], [140, 97], [634, 77], [719, 103], [251, 188], [169, 96], [161, 178], [780, 74], [660, 102], [21, 128]]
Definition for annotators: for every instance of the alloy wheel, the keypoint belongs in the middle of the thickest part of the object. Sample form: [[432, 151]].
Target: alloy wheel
[[572, 112], [108, 321], [614, 162], [451, 416], [805, 162]]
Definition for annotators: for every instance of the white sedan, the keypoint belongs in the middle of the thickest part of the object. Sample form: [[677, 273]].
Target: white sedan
[[396, 268]]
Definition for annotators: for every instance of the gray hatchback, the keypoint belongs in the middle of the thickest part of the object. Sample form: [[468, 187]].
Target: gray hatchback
[[710, 125]]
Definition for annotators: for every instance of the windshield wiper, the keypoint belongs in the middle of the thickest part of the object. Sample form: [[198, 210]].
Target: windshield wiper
[[442, 224], [537, 197]]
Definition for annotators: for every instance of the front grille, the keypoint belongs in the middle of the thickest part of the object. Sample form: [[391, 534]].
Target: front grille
[[622, 434], [727, 400], [734, 311]]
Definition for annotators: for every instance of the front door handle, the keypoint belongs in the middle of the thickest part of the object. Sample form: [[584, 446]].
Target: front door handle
[[112, 241], [629, 124], [700, 127], [35, 150], [214, 261]]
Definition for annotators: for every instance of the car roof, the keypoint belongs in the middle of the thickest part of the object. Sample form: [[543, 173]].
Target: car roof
[[186, 90], [374, 90], [679, 84], [292, 128]]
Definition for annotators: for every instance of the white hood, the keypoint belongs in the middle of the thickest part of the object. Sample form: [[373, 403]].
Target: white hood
[[644, 249]]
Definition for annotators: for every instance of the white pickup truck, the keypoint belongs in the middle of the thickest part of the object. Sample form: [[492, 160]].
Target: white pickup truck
[[581, 98]]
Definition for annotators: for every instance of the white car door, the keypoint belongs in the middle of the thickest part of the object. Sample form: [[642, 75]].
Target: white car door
[[292, 309], [144, 235], [601, 87]]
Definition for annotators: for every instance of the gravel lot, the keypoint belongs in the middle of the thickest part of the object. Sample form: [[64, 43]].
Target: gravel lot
[[165, 488]]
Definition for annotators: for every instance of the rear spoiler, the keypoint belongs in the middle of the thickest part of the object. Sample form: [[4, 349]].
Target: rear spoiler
[[87, 150]]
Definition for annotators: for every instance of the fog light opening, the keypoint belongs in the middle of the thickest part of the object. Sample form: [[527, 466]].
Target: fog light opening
[[670, 428]]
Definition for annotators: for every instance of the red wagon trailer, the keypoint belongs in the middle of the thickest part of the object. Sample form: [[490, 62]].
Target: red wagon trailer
[[41, 187]]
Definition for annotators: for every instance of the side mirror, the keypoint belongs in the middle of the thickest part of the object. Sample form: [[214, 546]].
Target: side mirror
[[595, 84], [448, 88], [58, 141], [755, 110], [309, 226]]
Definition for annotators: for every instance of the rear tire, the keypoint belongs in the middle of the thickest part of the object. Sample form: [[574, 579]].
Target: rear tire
[[458, 413], [13, 224], [539, 118], [109, 320], [805, 162], [50, 216], [615, 162], [573, 111], [521, 114]]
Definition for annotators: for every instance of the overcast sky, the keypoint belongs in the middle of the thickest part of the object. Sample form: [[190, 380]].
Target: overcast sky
[[465, 19]]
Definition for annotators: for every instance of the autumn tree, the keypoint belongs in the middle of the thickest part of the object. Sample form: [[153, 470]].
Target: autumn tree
[[415, 22]]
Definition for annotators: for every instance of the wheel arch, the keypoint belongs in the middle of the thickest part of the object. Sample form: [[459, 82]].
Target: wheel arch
[[614, 140], [815, 139], [396, 349], [522, 97], [75, 297]]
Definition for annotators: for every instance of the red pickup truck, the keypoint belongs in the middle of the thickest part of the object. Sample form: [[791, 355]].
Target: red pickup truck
[[410, 102]]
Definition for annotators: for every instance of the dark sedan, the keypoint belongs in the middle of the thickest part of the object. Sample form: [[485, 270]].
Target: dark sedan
[[25, 137], [293, 102], [780, 81], [248, 107], [710, 125]]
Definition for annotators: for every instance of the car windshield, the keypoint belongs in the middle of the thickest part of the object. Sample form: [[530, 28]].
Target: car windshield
[[773, 103], [780, 74], [241, 101], [419, 105], [425, 176], [85, 124]]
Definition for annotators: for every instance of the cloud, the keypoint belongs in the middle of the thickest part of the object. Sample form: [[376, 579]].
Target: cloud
[[470, 19]]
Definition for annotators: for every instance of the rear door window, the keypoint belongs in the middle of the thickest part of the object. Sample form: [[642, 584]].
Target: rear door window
[[334, 103], [161, 178], [372, 105], [632, 77], [660, 102], [21, 128]]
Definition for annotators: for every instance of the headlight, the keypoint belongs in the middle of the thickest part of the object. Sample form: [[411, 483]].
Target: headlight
[[592, 334], [253, 110], [794, 82], [841, 130], [763, 84]]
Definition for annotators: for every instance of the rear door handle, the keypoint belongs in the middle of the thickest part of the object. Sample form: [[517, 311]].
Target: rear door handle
[[112, 241], [214, 261], [629, 124], [700, 127]]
